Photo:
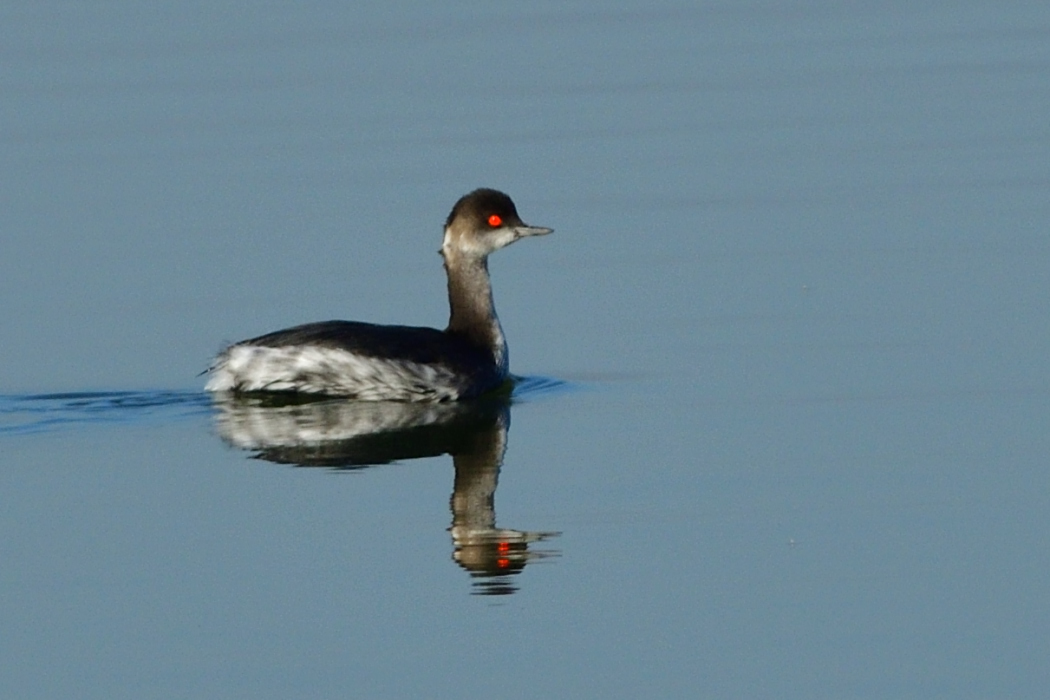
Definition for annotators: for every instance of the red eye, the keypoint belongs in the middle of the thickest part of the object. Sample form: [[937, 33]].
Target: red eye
[[495, 221]]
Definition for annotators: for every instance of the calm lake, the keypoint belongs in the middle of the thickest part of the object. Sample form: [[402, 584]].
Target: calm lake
[[783, 427]]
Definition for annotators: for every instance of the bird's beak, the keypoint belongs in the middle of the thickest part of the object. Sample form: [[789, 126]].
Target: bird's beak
[[522, 231]]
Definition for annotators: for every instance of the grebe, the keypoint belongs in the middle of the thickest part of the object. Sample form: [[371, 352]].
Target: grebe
[[372, 362]]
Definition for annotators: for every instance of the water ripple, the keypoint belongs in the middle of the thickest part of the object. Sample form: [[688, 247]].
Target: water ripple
[[27, 414], [37, 413], [532, 388]]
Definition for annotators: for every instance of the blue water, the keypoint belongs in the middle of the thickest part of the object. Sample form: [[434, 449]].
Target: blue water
[[783, 427], [34, 413], [27, 414]]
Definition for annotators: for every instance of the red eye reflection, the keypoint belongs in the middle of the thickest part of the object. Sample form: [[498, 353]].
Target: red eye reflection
[[495, 221]]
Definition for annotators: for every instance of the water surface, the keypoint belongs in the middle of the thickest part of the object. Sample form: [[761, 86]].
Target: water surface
[[789, 436]]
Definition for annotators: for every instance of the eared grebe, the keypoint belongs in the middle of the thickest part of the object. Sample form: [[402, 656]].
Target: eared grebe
[[398, 363]]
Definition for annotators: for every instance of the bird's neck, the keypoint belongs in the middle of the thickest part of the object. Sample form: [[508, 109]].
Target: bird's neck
[[472, 313]]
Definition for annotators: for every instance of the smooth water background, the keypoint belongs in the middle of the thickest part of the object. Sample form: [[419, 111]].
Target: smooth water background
[[798, 288]]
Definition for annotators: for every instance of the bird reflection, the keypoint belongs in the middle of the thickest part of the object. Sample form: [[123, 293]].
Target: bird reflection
[[343, 434]]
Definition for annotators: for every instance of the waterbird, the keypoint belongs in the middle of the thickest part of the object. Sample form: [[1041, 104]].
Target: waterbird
[[371, 362]]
